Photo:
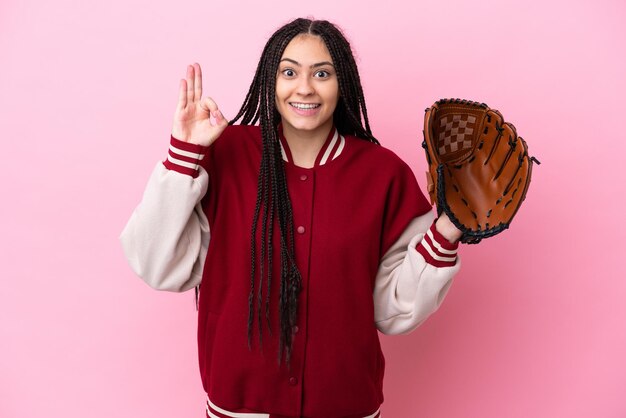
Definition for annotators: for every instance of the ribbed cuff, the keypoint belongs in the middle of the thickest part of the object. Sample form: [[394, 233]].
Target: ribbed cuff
[[436, 249], [184, 157]]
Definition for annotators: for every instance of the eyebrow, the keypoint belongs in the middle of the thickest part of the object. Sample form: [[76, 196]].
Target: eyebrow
[[318, 64]]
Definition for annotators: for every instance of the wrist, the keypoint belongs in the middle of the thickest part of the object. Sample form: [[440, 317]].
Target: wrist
[[447, 229], [184, 157], [436, 249]]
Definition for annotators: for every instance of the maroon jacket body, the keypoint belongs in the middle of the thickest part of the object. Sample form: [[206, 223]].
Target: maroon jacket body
[[348, 210]]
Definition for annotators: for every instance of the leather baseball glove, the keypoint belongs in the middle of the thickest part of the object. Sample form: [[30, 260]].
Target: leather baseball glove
[[479, 169]]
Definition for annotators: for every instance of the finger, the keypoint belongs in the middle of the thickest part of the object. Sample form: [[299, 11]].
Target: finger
[[206, 104], [190, 83], [198, 81], [216, 112], [219, 118], [182, 94], [210, 106]]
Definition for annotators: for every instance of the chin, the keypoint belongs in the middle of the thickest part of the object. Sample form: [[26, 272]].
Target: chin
[[308, 125]]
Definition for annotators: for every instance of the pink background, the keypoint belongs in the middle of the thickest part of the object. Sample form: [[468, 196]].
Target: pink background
[[534, 325]]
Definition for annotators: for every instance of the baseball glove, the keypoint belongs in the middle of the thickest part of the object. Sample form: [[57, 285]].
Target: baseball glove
[[479, 169]]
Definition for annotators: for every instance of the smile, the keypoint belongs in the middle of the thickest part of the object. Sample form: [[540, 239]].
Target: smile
[[305, 106]]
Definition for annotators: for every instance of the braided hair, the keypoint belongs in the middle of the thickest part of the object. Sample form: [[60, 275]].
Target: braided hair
[[350, 118]]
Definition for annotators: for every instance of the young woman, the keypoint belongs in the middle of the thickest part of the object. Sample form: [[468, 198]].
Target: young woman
[[303, 234]]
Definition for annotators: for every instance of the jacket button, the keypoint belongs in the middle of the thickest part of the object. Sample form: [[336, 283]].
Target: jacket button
[[300, 230], [304, 177], [295, 329], [293, 381]]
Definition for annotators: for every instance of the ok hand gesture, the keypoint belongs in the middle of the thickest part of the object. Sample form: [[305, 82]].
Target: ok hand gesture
[[192, 119]]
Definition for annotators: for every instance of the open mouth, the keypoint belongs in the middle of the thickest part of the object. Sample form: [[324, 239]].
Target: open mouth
[[305, 106]]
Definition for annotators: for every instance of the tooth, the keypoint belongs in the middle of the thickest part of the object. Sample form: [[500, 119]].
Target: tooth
[[304, 105]]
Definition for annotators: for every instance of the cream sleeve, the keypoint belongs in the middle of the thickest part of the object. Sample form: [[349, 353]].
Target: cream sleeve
[[414, 277], [167, 236]]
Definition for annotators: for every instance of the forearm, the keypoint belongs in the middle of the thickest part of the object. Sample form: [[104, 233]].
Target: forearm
[[167, 236], [414, 277]]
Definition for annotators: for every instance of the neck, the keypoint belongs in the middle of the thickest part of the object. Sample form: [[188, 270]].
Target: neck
[[305, 145]]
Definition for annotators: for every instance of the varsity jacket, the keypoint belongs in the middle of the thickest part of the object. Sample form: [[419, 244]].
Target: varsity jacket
[[365, 244]]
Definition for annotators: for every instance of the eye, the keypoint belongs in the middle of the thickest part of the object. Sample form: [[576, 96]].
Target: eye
[[322, 74], [288, 72]]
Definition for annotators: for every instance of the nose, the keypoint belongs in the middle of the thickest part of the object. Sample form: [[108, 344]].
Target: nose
[[305, 86]]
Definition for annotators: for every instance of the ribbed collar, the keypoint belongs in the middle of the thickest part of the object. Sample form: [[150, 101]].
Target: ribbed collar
[[332, 148]]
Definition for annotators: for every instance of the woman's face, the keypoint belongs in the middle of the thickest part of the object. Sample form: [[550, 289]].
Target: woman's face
[[307, 89]]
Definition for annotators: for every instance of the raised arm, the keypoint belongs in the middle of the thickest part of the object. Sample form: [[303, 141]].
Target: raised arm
[[167, 236]]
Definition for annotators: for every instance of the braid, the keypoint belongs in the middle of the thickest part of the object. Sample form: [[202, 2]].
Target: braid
[[290, 276], [350, 118], [262, 181], [351, 107]]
